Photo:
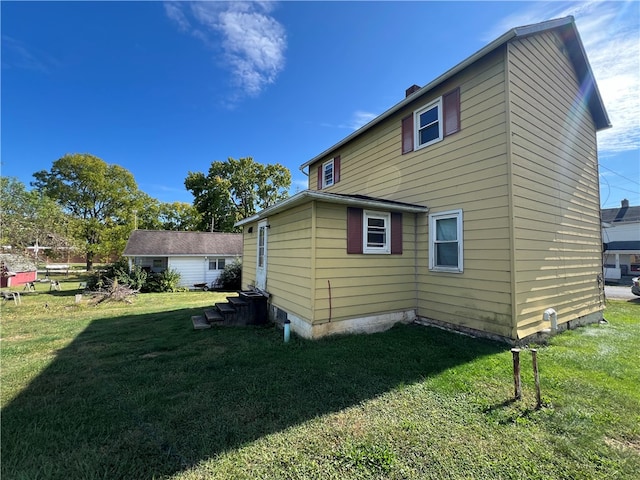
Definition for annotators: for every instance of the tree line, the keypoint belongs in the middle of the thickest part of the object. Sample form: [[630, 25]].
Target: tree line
[[90, 206]]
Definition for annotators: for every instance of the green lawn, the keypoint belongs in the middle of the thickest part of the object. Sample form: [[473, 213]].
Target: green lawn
[[133, 392]]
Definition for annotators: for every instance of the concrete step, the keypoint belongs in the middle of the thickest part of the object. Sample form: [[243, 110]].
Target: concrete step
[[213, 315], [199, 322], [225, 308], [237, 302]]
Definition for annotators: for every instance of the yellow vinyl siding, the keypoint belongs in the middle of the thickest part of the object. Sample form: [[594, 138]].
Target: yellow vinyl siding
[[466, 170], [523, 171], [555, 187], [289, 260], [249, 255], [361, 284], [471, 173]]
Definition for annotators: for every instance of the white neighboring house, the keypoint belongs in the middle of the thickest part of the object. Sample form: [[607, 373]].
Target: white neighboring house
[[621, 237], [199, 257]]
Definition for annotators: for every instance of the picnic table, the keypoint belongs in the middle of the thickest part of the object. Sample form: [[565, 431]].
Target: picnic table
[[54, 267]]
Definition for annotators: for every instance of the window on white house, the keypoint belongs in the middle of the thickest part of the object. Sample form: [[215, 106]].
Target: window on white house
[[327, 174], [428, 122], [217, 264], [445, 241], [376, 232]]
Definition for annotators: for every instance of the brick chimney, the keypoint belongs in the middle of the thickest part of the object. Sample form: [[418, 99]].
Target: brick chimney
[[625, 203], [411, 90]]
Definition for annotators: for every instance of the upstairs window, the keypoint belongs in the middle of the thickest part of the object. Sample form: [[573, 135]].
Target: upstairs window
[[329, 173], [445, 241], [432, 122], [428, 124]]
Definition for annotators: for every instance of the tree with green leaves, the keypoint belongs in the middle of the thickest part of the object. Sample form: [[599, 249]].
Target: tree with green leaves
[[28, 219], [180, 216], [236, 189], [100, 197], [151, 214]]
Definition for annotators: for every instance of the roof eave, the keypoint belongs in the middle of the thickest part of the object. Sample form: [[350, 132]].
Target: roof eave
[[309, 195], [596, 106]]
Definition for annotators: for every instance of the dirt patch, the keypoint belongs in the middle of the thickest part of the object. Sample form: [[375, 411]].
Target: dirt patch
[[151, 355], [624, 444]]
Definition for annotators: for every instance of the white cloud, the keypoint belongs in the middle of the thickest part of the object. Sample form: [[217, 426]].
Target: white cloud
[[174, 12], [361, 118], [609, 33], [17, 54], [358, 119], [252, 42]]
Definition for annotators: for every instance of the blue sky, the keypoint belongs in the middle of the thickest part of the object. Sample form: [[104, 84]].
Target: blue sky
[[165, 88]]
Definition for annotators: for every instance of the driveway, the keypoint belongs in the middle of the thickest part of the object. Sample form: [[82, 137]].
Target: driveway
[[618, 292]]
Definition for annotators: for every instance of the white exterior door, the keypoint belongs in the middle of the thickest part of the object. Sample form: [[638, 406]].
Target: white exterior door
[[261, 263]]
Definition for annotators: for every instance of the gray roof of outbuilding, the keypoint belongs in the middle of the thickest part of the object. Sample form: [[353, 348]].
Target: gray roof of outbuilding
[[170, 243], [621, 214], [17, 263]]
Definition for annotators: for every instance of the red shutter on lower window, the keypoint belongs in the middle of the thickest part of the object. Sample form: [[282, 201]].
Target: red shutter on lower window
[[354, 230], [396, 233], [407, 134], [320, 177], [336, 169], [451, 111]]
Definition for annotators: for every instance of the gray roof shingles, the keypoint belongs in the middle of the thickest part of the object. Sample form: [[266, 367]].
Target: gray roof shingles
[[171, 243], [621, 214]]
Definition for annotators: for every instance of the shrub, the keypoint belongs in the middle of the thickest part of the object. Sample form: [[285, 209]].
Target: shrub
[[166, 281], [231, 276], [119, 271]]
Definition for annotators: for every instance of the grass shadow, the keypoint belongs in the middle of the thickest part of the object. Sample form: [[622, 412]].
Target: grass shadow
[[146, 396]]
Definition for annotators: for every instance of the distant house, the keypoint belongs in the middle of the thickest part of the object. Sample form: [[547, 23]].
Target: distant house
[[473, 203], [199, 257], [16, 270], [621, 237]]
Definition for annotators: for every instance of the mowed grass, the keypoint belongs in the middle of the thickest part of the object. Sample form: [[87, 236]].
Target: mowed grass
[[132, 391]]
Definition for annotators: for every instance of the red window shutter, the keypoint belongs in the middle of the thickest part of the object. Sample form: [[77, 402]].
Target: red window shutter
[[336, 169], [396, 233], [320, 177], [407, 134], [354, 230], [451, 111]]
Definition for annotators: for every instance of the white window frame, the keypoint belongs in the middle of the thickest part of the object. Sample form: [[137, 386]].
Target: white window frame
[[416, 124], [433, 219], [325, 165], [386, 216], [216, 263]]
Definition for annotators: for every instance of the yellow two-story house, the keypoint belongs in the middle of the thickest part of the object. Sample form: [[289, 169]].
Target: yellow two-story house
[[472, 204]]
